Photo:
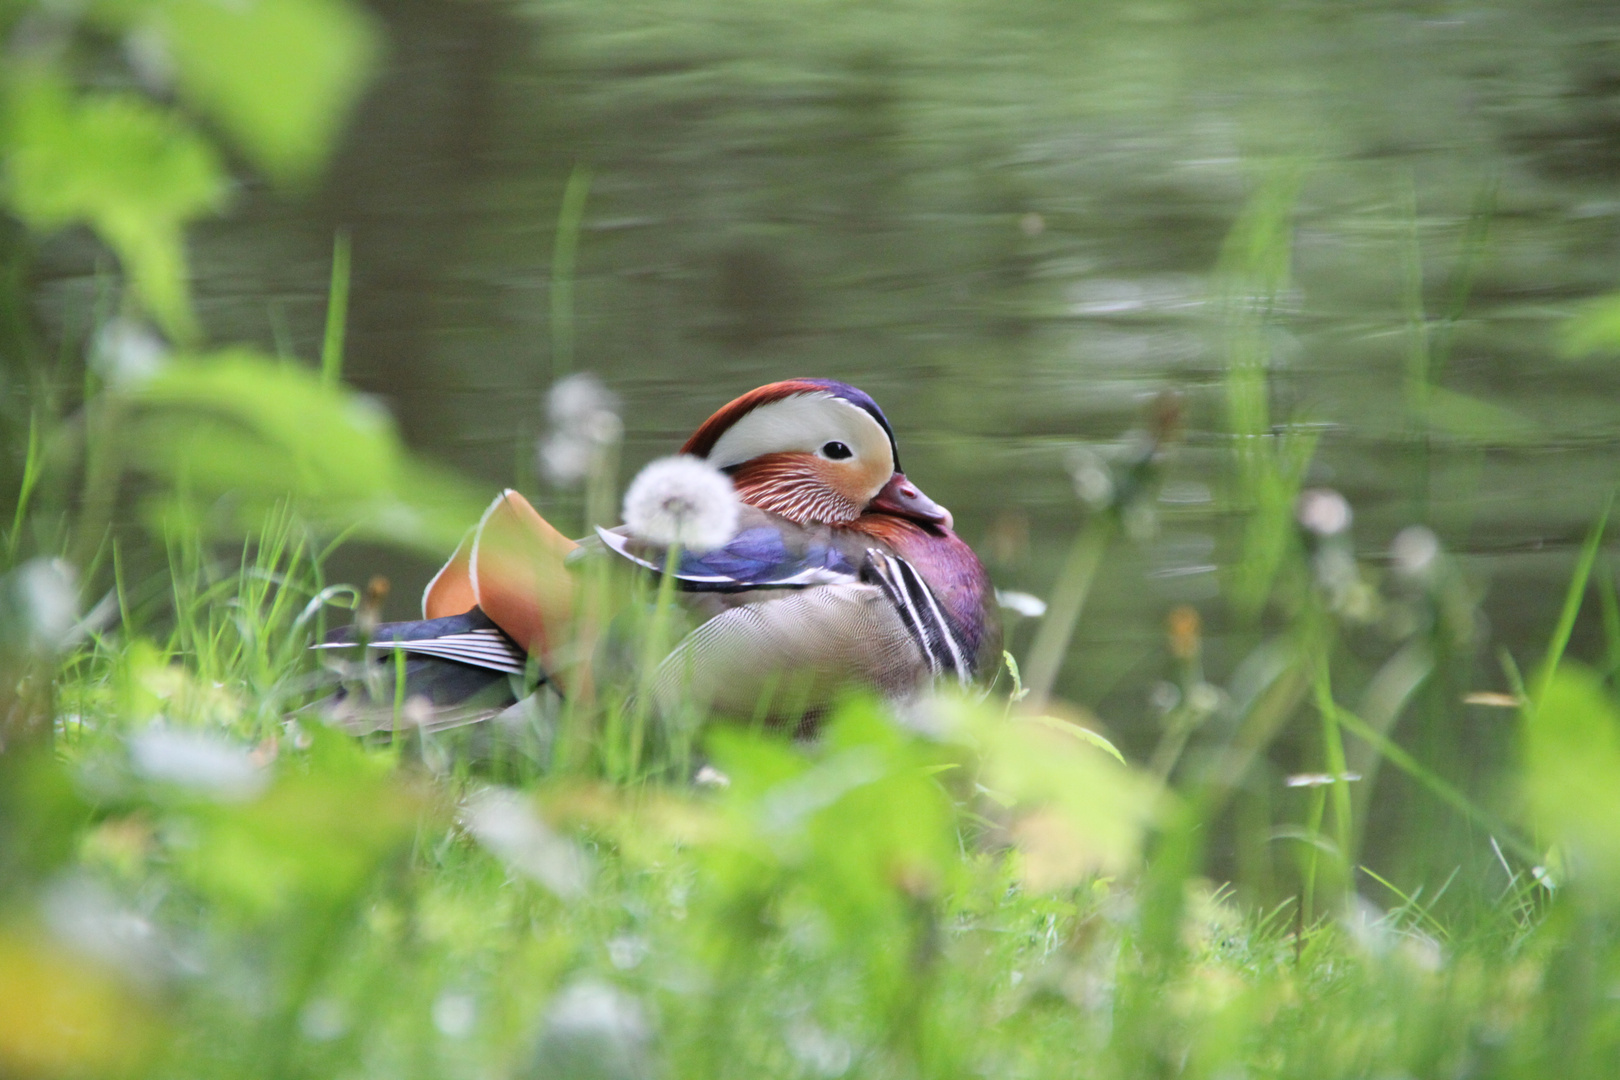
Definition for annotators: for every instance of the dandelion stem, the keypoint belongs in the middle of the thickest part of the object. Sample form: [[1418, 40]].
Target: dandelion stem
[[1333, 751], [1068, 600], [563, 253], [1572, 607], [653, 647]]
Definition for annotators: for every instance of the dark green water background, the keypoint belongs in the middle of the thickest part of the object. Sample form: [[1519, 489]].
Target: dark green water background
[[1000, 218]]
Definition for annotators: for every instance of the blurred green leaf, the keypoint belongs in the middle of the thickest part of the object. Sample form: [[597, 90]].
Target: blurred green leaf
[[241, 426], [1076, 811], [1084, 734], [1477, 420], [62, 1015], [279, 76], [1592, 331], [862, 827], [317, 837], [1572, 768], [41, 818], [132, 171]]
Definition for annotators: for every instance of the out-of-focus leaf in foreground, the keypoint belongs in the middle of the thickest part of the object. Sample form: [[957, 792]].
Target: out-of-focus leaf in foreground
[[1572, 774], [1473, 419], [1076, 810], [1594, 330], [251, 431], [279, 75], [134, 172], [315, 838], [861, 826], [63, 1015]]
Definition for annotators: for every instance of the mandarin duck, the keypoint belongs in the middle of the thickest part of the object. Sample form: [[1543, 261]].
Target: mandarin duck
[[838, 570]]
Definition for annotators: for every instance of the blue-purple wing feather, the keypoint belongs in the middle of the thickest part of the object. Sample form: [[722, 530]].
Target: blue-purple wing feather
[[755, 558]]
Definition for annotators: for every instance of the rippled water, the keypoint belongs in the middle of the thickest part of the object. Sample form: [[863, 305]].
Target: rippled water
[[1001, 220]]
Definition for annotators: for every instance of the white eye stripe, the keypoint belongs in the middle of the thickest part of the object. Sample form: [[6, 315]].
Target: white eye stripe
[[805, 423]]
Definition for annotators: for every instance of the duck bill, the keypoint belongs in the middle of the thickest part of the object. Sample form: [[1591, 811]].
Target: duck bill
[[902, 498]]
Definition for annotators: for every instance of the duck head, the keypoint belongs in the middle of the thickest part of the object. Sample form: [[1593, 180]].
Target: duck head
[[816, 451]]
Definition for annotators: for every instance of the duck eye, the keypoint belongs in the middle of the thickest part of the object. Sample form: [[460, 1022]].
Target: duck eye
[[837, 451]]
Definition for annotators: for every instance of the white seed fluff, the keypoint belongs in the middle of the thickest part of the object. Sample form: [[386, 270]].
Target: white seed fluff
[[682, 500], [1323, 511], [1414, 551], [584, 423]]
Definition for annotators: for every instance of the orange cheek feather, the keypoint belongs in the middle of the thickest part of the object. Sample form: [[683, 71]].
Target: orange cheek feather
[[849, 483], [799, 486]]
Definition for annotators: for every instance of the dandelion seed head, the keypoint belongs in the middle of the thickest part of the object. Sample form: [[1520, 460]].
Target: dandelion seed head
[[126, 353], [194, 759], [1413, 551], [579, 402], [566, 460], [682, 500], [43, 603], [584, 417], [1093, 482], [1323, 511]]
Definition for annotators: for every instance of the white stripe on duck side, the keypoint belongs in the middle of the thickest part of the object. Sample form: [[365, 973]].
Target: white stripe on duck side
[[914, 601], [487, 648]]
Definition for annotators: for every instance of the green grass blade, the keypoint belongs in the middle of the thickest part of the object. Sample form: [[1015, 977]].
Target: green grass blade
[[33, 465], [1610, 603], [1069, 594], [1437, 786], [1572, 605], [1333, 749], [337, 311]]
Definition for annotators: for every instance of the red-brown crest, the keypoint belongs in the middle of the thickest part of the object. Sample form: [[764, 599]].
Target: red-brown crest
[[704, 438]]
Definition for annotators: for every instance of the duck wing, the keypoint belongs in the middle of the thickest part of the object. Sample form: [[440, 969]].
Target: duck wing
[[785, 658], [761, 556], [785, 654], [470, 638]]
